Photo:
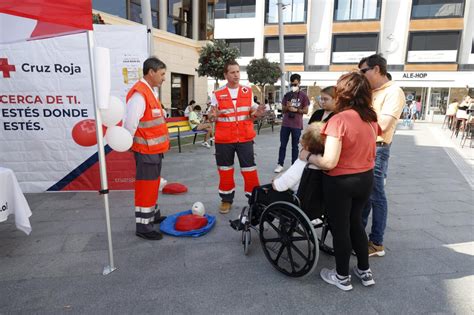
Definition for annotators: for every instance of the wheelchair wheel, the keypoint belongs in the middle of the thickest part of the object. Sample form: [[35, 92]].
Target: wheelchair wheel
[[246, 240], [288, 239]]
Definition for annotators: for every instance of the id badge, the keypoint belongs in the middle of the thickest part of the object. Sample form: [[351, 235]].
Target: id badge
[[156, 112]]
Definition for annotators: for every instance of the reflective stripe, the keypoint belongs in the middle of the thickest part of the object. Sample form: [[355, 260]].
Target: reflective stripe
[[226, 111], [151, 123], [243, 109], [145, 209], [225, 168], [145, 221], [248, 169], [243, 117], [233, 119], [226, 119], [226, 192], [150, 142]]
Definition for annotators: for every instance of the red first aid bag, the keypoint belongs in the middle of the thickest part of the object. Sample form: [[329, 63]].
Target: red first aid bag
[[190, 222]]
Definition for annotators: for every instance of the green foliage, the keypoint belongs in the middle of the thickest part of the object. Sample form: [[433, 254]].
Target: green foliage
[[213, 57], [262, 72]]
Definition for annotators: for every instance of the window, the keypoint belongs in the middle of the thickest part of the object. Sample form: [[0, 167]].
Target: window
[[347, 10], [135, 13], [294, 11], [245, 46], [180, 17], [240, 8], [118, 7], [437, 8], [351, 48], [294, 49], [439, 46]]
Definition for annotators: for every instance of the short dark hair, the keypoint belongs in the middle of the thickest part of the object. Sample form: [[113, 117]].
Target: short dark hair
[[192, 102], [230, 63], [153, 63], [375, 60], [294, 77], [389, 76], [197, 107]]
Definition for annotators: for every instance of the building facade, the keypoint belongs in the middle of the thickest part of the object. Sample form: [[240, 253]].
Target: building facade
[[180, 29], [429, 44]]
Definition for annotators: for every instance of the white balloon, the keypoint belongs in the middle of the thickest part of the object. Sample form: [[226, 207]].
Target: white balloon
[[198, 209], [113, 114], [119, 138]]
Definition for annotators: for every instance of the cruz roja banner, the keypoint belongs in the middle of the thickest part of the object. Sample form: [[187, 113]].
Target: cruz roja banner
[[47, 126]]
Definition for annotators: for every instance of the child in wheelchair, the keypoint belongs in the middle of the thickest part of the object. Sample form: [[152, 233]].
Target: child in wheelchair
[[299, 185]]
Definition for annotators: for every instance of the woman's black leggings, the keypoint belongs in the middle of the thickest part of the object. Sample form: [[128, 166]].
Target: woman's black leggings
[[344, 197]]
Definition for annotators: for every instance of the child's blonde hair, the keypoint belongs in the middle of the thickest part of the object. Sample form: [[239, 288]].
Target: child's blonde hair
[[312, 138]]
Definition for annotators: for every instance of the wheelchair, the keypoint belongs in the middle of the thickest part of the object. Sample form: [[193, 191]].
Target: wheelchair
[[283, 221]]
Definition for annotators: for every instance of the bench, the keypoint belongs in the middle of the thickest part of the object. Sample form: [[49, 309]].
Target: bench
[[178, 127], [267, 118]]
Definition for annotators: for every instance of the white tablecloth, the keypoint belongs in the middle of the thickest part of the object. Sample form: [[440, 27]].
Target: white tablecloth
[[12, 201]]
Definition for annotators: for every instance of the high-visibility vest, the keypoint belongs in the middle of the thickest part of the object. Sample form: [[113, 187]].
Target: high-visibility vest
[[151, 136], [233, 123]]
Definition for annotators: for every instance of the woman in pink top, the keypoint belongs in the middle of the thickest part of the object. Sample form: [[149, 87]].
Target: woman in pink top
[[348, 159]]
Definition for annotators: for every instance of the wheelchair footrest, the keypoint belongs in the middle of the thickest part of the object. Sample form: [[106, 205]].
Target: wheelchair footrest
[[236, 224]]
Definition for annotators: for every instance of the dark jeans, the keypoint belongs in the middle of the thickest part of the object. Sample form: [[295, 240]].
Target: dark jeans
[[345, 197], [295, 139], [378, 200]]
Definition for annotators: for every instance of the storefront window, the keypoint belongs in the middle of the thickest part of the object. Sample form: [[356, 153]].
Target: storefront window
[[351, 48], [294, 11], [439, 46], [180, 17], [245, 46], [348, 10], [437, 8]]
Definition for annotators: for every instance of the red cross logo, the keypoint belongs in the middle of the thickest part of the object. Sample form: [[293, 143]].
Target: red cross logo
[[5, 67], [245, 90], [88, 126]]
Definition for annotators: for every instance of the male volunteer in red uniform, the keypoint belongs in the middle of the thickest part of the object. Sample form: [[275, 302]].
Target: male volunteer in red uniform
[[145, 119], [233, 110]]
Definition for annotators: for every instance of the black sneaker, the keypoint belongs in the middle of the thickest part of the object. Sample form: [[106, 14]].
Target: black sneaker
[[365, 276], [152, 236], [331, 277], [159, 219]]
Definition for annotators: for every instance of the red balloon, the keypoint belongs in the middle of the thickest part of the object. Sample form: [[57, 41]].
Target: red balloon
[[83, 132]]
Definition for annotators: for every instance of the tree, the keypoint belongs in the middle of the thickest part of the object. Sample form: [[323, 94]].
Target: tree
[[262, 72], [213, 58]]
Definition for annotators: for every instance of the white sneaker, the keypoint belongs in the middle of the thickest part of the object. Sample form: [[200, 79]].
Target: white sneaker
[[205, 144], [331, 277], [163, 183], [365, 277], [316, 222], [278, 169]]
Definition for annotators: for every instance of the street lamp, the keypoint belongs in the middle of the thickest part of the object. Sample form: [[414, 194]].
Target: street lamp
[[281, 46]]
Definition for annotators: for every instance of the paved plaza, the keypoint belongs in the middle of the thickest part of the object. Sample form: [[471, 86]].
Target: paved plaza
[[428, 268]]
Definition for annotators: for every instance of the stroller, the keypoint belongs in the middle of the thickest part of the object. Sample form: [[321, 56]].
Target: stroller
[[286, 224]]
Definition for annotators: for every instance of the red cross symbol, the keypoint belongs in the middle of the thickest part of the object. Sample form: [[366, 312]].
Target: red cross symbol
[[5, 67], [88, 126]]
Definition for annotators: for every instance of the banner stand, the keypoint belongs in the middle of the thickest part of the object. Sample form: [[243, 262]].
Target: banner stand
[[102, 164]]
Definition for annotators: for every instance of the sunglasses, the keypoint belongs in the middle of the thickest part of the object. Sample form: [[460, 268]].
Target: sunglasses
[[364, 70], [294, 84]]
